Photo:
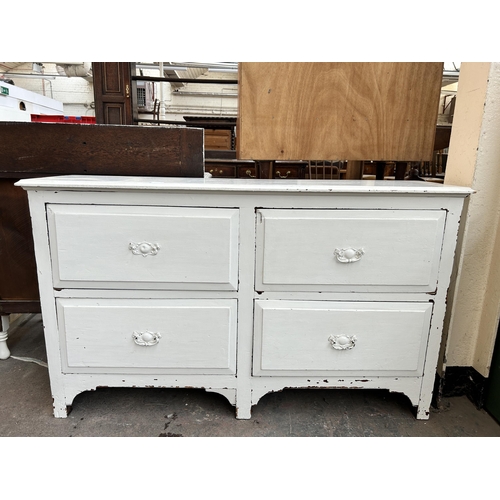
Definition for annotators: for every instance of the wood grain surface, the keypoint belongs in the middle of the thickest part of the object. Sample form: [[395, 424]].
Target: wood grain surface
[[338, 111], [55, 148], [47, 149], [18, 281]]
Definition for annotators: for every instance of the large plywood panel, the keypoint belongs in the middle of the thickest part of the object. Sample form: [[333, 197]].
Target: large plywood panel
[[338, 111]]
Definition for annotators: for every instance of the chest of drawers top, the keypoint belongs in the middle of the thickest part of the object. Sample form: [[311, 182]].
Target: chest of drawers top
[[119, 183]]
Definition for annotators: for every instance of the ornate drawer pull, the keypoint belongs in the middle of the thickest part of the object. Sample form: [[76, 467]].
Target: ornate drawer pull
[[348, 254], [278, 173], [146, 338], [144, 248], [342, 342], [249, 173]]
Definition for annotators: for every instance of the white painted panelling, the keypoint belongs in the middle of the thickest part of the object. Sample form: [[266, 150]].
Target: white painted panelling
[[13, 115], [91, 246], [397, 249], [292, 337], [196, 335]]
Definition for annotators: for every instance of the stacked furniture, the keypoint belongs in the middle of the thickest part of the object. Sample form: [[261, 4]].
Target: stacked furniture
[[30, 150], [246, 286]]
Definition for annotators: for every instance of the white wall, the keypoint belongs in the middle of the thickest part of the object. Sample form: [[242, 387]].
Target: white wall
[[76, 94], [474, 161], [196, 99], [207, 99]]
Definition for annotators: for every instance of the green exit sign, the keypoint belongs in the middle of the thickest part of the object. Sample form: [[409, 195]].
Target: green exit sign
[[5, 90]]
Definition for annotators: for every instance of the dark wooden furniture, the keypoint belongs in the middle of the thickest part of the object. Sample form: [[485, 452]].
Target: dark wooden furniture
[[113, 93], [224, 163], [230, 168], [220, 131], [442, 137], [46, 149], [234, 168], [218, 138]]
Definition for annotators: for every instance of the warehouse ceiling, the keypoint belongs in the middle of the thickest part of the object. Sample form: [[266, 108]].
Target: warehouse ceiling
[[5, 67], [195, 69], [172, 70]]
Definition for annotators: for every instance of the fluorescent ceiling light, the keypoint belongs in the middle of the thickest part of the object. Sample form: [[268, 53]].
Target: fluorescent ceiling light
[[175, 68], [223, 70], [41, 76], [165, 66]]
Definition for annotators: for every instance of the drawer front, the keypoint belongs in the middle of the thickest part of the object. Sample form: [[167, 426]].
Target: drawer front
[[248, 172], [343, 250], [142, 247], [340, 338], [143, 335], [217, 170], [288, 171]]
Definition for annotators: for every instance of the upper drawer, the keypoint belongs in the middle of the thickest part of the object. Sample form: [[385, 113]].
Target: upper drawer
[[144, 247], [349, 250]]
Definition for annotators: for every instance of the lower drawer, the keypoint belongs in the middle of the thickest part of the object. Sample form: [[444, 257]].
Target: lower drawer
[[340, 338], [195, 336]]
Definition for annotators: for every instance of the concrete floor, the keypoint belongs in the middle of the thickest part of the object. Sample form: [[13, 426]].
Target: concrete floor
[[26, 408]]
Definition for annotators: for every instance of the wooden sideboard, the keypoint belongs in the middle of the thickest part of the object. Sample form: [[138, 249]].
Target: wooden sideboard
[[233, 168]]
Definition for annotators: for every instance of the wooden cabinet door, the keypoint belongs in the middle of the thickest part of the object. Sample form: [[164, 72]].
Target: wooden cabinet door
[[113, 92]]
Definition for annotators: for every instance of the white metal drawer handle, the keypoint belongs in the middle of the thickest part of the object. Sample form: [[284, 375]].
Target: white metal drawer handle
[[342, 342], [146, 338], [348, 254], [144, 248]]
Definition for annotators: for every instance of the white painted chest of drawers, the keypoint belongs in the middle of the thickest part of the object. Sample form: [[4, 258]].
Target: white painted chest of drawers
[[243, 287]]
